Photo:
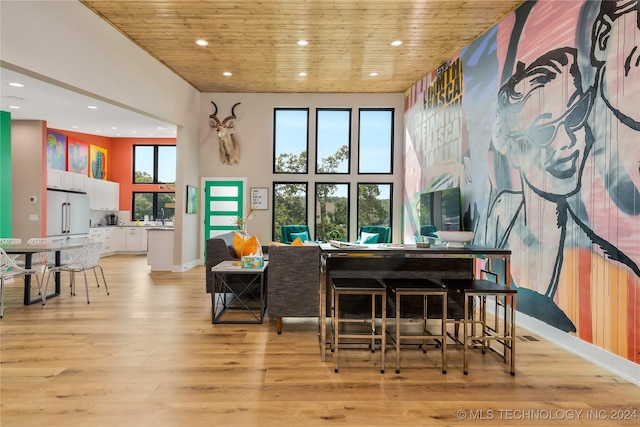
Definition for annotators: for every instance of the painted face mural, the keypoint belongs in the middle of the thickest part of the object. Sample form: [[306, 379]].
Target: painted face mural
[[616, 50], [541, 123]]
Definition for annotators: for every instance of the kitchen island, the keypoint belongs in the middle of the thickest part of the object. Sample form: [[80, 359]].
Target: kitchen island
[[160, 248]]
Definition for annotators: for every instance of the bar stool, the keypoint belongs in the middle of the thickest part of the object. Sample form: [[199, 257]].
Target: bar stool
[[425, 289], [471, 288], [342, 287]]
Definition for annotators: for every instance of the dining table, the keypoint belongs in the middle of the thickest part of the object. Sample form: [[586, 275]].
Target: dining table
[[27, 249]]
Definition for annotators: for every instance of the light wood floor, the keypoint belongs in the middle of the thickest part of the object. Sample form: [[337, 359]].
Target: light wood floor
[[148, 355]]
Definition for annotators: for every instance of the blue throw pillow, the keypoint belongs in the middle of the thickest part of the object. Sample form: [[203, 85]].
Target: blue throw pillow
[[368, 238], [303, 235]]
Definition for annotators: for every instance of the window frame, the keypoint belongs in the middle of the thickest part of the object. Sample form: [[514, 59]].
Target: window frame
[[156, 148], [275, 231], [391, 110], [358, 185], [154, 203], [350, 121], [315, 204], [275, 142]]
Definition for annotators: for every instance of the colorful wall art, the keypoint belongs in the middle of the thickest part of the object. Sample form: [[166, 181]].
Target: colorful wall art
[[97, 162], [538, 122], [56, 150], [77, 156]]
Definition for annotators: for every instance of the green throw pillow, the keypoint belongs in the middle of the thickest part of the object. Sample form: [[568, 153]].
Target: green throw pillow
[[368, 238], [303, 235]]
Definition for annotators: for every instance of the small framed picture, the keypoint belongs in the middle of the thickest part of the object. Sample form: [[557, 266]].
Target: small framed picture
[[260, 198], [192, 199]]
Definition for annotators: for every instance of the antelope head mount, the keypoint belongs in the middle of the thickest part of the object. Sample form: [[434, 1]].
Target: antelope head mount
[[229, 148]]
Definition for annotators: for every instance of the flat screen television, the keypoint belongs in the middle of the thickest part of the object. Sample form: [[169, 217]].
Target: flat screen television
[[441, 210]]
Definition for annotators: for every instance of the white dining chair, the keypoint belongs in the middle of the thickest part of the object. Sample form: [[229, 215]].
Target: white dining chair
[[82, 259], [43, 259], [8, 270], [11, 241]]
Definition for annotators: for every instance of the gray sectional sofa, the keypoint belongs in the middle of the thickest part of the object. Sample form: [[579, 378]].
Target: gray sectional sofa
[[293, 276]]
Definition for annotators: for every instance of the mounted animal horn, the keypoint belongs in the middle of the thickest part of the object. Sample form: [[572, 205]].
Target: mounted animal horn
[[229, 148]]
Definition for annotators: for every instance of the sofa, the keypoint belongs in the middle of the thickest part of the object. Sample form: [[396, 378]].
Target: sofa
[[293, 276]]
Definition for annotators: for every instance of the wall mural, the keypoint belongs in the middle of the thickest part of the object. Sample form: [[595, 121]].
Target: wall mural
[[538, 122]]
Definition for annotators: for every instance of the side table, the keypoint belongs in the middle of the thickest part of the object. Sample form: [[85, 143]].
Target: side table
[[239, 294]]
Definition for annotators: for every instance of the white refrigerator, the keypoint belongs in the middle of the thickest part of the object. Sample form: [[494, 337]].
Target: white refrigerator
[[67, 214]]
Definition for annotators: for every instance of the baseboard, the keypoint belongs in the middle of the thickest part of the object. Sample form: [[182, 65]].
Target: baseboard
[[613, 363], [184, 267]]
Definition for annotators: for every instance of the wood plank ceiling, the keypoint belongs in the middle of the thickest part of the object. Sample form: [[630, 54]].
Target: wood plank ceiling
[[257, 40]]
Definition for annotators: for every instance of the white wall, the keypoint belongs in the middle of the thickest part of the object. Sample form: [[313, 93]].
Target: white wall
[[65, 42], [254, 129]]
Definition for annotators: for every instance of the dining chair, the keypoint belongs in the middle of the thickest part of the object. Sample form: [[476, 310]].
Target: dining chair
[[11, 241], [8, 270], [85, 258], [44, 259]]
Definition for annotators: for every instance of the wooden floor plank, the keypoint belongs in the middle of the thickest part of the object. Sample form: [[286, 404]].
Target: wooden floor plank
[[148, 355]]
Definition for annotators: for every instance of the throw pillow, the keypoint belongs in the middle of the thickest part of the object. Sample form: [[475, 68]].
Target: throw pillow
[[303, 235], [368, 238], [245, 245], [297, 242]]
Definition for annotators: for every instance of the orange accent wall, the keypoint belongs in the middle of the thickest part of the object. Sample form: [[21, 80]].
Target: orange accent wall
[[120, 161], [121, 167]]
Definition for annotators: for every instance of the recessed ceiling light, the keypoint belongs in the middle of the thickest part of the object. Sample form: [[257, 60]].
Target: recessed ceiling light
[[227, 73], [92, 107], [373, 74], [133, 131], [15, 107], [74, 127], [302, 74], [113, 127], [16, 84], [396, 43], [202, 42], [302, 42]]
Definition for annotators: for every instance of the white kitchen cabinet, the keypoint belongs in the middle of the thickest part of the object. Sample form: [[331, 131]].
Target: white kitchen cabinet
[[135, 239], [117, 239], [103, 195], [104, 235], [74, 182], [62, 180], [54, 178]]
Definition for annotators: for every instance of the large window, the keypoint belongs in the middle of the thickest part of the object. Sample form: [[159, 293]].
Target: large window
[[332, 211], [375, 141], [153, 204], [289, 205], [291, 140], [329, 188], [333, 140], [374, 204], [154, 164]]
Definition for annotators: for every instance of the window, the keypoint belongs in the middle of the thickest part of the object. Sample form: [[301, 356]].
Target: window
[[374, 204], [289, 205], [153, 204], [332, 211], [333, 140], [290, 140], [154, 164], [375, 141]]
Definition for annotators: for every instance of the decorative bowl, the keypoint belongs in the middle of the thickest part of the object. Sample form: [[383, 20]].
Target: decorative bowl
[[455, 239]]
